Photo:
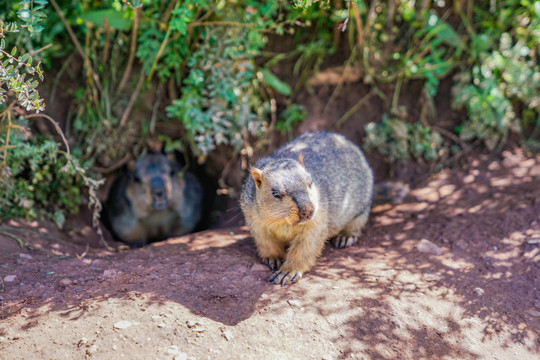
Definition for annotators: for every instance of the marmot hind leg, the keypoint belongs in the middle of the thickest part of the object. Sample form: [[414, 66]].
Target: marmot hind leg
[[351, 232]]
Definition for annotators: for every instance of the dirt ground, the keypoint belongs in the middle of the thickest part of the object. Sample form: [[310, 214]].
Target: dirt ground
[[451, 273]]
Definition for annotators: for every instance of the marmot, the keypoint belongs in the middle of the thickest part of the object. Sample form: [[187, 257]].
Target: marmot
[[317, 187], [153, 200]]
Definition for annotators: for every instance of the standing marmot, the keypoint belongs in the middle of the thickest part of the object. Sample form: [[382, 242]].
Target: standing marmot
[[317, 187], [153, 201]]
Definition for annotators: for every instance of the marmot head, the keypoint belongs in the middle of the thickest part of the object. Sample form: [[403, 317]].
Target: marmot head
[[151, 182], [285, 192]]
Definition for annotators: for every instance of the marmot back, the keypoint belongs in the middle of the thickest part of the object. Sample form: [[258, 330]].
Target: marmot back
[[317, 187], [153, 201]]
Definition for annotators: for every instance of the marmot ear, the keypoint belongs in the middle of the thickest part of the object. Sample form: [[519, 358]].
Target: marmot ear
[[301, 159], [256, 174]]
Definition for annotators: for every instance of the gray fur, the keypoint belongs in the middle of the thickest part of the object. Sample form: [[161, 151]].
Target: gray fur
[[335, 165], [138, 221]]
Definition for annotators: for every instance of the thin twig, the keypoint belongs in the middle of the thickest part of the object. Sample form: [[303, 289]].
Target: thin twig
[[34, 52], [56, 80], [161, 49], [359, 28], [132, 50], [16, 238], [58, 130], [80, 257], [132, 100], [355, 108], [338, 87], [155, 108], [109, 169], [107, 45], [451, 136], [76, 42]]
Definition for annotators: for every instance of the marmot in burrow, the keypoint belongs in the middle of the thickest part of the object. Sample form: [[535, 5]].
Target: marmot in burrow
[[153, 200], [317, 187]]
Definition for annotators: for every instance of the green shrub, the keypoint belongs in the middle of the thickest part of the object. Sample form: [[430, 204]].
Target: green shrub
[[220, 102], [397, 140], [35, 181], [505, 77]]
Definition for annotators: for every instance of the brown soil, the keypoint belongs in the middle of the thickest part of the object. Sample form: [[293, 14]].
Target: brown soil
[[451, 273]]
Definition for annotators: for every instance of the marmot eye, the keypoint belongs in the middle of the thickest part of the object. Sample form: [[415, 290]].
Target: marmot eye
[[277, 194]]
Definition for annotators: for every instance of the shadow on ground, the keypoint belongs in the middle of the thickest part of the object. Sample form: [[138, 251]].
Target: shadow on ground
[[477, 287]]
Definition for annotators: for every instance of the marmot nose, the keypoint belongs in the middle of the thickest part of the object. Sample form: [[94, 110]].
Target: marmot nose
[[306, 212]]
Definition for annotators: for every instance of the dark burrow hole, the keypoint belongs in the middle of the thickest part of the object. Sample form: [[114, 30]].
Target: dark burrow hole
[[217, 210]]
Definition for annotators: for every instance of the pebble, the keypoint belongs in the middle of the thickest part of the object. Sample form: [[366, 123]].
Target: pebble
[[192, 324], [433, 277], [25, 256], [227, 334], [66, 282], [534, 313], [264, 296], [91, 350], [295, 303], [478, 291], [123, 324], [534, 241], [427, 247], [9, 278], [111, 274], [172, 350], [181, 356], [537, 304], [259, 267]]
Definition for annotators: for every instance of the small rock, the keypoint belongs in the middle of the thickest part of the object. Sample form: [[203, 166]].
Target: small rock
[[295, 303], [534, 241], [462, 244], [115, 347], [9, 278], [433, 277], [65, 282], [537, 304], [427, 247], [534, 313], [259, 267], [123, 324], [25, 256], [478, 291], [265, 296], [161, 325], [181, 356], [191, 324], [91, 350], [172, 350], [111, 274], [227, 334]]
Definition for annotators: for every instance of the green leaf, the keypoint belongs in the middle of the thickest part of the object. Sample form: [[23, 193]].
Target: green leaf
[[114, 18], [59, 218], [444, 32], [275, 83]]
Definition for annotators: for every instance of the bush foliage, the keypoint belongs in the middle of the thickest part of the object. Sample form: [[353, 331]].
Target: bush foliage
[[227, 73]]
